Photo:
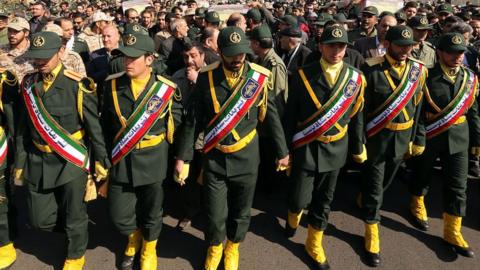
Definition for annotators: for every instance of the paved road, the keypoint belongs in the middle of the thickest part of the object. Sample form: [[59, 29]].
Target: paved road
[[403, 246]]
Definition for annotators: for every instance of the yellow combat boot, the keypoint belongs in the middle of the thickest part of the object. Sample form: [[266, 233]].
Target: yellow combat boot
[[230, 261], [419, 212], [214, 256], [372, 244], [74, 264], [133, 246], [314, 248], [148, 259], [453, 236], [8, 255], [293, 221]]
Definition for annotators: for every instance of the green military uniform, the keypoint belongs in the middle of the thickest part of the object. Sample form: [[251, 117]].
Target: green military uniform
[[135, 192], [317, 162], [444, 85], [358, 33], [279, 84], [387, 147], [425, 52], [56, 187], [81, 47], [230, 168], [9, 90], [194, 30]]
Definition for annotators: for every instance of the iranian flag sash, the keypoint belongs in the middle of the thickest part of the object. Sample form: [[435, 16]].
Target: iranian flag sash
[[3, 146], [398, 100], [235, 108], [456, 108], [60, 140], [333, 110], [142, 119]]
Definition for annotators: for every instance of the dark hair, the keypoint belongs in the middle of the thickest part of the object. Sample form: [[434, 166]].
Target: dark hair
[[410, 4], [452, 19], [78, 15], [128, 11], [176, 8], [190, 45], [207, 32]]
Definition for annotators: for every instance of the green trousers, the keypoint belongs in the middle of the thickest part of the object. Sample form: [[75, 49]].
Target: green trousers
[[4, 228], [454, 172], [61, 208], [376, 178], [228, 202], [133, 208], [316, 189]]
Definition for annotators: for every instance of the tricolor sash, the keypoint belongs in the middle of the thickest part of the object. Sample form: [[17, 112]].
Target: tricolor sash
[[142, 119], [60, 140], [3, 146], [456, 108], [333, 110], [234, 108], [397, 100]]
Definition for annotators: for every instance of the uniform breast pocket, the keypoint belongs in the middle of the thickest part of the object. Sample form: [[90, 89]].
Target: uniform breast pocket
[[66, 117]]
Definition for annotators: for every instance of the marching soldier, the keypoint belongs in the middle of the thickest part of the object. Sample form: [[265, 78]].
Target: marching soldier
[[424, 50], [58, 117], [8, 98], [228, 99], [392, 96], [140, 112], [450, 113], [318, 116]]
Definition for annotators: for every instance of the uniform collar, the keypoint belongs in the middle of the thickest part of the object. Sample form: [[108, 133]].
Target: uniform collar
[[49, 78], [450, 73]]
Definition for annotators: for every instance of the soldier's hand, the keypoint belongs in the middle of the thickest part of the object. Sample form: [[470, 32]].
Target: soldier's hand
[[17, 177], [192, 74], [100, 172], [417, 150], [181, 172], [362, 157], [475, 151], [283, 163]]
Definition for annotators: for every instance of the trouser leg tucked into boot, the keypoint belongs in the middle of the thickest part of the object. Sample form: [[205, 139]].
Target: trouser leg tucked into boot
[[419, 212], [314, 248], [133, 247], [8, 255], [452, 234], [148, 259], [214, 256], [231, 256], [372, 244], [293, 221]]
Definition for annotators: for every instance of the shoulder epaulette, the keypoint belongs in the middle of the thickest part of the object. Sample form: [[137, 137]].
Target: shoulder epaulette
[[273, 61], [212, 66], [166, 81], [114, 76], [260, 69], [416, 60], [87, 85], [374, 60], [73, 75]]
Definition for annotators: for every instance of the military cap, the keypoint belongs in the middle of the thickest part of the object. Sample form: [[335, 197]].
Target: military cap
[[212, 17], [340, 17], [334, 34], [135, 46], [444, 8], [233, 41], [370, 10], [290, 20], [385, 13], [19, 24], [44, 45], [134, 29], [200, 12], [400, 35], [260, 32], [323, 18], [419, 22], [50, 27], [190, 12], [401, 16], [3, 14], [291, 32], [452, 42], [254, 14]]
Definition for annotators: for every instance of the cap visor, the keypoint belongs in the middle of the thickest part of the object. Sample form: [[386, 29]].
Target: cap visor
[[369, 12], [129, 52], [424, 27], [335, 41], [235, 50], [404, 42], [16, 27], [456, 49], [40, 54]]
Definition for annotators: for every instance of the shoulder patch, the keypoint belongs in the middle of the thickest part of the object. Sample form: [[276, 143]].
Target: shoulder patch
[[212, 66], [73, 75], [166, 81], [114, 76], [374, 60], [260, 69]]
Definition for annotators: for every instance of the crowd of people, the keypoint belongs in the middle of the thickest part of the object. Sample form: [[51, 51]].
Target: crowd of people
[[101, 100]]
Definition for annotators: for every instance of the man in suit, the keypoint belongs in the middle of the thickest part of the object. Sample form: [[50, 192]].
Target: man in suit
[[293, 53], [374, 46], [449, 86], [238, 88], [392, 98], [38, 20], [328, 101]]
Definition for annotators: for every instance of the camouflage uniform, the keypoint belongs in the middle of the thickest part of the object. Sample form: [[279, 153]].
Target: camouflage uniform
[[73, 61], [14, 60], [94, 41]]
